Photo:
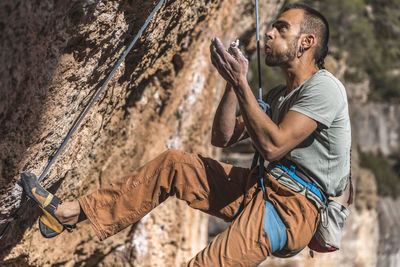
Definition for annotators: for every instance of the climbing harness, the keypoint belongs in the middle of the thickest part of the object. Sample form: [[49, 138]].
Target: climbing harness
[[295, 175], [75, 126]]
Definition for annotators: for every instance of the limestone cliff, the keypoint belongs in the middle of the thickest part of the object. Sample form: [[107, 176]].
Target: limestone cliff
[[382, 122], [54, 55], [389, 232]]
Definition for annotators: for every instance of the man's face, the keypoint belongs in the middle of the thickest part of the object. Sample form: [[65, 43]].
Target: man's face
[[282, 46]]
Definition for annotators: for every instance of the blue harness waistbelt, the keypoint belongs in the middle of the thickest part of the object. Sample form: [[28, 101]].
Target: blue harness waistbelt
[[291, 171]]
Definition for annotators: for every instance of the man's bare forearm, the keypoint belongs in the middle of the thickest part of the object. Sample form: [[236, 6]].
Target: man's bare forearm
[[223, 130], [272, 141], [262, 130]]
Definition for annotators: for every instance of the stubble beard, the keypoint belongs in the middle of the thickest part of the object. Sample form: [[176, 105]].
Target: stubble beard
[[281, 59]]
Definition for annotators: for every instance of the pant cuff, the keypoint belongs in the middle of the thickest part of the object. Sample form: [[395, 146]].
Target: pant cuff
[[92, 218]]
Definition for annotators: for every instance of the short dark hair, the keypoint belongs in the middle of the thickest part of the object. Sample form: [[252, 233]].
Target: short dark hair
[[314, 22]]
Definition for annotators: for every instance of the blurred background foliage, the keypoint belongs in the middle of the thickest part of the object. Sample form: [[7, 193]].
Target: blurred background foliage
[[366, 33], [386, 171]]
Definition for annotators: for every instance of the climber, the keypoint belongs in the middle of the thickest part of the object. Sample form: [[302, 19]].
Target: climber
[[307, 131]]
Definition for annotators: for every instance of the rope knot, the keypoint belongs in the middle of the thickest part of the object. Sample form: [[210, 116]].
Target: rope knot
[[264, 106]]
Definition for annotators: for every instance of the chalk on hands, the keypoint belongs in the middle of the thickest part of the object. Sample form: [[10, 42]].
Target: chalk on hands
[[235, 44]]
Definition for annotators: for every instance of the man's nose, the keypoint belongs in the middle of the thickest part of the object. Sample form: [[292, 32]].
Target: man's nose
[[270, 34]]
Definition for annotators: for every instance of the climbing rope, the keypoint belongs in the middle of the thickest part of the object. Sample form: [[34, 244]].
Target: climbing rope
[[260, 91], [75, 126], [264, 106]]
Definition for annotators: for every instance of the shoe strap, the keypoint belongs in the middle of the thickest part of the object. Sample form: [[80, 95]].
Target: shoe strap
[[52, 202], [69, 227]]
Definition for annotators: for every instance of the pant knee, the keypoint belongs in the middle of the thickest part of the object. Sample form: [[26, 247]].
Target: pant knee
[[173, 155]]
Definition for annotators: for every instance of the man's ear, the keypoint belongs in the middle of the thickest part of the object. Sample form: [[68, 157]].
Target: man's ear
[[308, 41]]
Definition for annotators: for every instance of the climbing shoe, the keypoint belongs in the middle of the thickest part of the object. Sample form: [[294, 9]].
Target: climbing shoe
[[49, 224]]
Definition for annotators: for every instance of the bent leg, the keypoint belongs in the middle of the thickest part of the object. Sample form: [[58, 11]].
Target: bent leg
[[205, 184], [244, 243]]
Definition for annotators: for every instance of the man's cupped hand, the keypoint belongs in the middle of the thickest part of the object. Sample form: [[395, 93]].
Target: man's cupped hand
[[231, 64]]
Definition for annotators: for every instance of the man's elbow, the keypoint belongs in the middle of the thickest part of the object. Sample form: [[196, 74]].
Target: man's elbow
[[218, 139], [273, 154], [218, 143]]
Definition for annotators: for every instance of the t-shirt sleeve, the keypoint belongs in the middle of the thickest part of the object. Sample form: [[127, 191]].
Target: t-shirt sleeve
[[320, 100]]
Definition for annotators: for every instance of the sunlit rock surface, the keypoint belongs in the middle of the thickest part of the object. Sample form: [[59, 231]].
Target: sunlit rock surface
[[54, 55]]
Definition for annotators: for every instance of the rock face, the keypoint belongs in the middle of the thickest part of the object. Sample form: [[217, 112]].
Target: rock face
[[382, 122], [54, 55], [389, 232]]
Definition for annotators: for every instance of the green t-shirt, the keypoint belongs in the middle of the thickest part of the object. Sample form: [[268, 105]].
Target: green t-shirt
[[324, 156]]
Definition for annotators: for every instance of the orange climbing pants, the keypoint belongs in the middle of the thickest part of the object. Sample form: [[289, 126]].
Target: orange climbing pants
[[215, 188]]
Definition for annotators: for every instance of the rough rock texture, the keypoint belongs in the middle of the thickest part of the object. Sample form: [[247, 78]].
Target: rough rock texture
[[389, 232], [54, 55]]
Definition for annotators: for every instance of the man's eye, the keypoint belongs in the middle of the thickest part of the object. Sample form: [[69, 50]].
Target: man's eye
[[282, 28]]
